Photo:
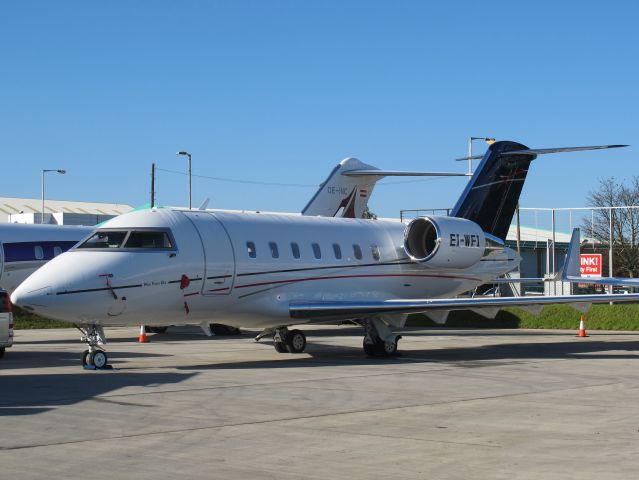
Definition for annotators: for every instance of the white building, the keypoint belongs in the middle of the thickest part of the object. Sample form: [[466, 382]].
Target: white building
[[60, 212]]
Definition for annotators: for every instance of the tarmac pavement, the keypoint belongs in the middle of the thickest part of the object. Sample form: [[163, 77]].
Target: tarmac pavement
[[456, 404]]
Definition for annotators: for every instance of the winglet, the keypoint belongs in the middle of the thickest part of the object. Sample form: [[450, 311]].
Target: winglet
[[205, 204], [572, 266]]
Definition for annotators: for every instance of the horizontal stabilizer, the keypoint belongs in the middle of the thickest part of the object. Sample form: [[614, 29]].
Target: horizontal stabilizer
[[474, 157], [543, 151], [396, 173]]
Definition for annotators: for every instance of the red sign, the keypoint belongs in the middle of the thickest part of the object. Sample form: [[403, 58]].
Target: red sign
[[591, 265]]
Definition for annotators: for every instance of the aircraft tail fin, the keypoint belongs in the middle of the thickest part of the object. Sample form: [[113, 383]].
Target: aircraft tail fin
[[346, 191], [492, 195], [342, 195]]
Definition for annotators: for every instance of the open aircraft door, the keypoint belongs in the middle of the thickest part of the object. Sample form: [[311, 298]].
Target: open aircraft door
[[219, 258]]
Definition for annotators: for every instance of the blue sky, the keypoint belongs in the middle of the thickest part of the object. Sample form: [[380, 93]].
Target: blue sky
[[280, 91]]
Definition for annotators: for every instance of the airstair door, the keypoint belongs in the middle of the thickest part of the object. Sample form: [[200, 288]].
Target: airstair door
[[219, 259]]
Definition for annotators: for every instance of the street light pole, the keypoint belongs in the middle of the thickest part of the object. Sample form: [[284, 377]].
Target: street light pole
[[190, 177], [61, 172]]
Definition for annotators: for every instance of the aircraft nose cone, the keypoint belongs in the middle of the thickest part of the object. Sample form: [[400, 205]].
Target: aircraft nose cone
[[31, 296]]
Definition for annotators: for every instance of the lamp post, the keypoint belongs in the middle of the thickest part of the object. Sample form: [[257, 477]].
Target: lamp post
[[488, 140], [61, 172], [190, 190]]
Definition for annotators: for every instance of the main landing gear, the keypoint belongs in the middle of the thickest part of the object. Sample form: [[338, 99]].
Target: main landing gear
[[379, 339], [285, 341], [94, 356]]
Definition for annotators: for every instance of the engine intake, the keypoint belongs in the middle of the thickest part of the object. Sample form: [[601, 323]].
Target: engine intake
[[444, 242]]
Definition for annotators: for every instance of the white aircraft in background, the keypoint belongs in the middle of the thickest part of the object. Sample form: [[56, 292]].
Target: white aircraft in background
[[168, 265], [24, 248]]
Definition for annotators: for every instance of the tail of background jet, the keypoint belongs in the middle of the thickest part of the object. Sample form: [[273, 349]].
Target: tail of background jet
[[346, 191], [343, 195], [491, 196]]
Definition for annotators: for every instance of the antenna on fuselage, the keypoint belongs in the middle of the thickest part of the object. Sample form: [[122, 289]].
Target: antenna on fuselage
[[152, 184]]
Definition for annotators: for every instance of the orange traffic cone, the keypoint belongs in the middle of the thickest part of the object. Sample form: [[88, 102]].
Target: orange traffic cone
[[142, 338], [582, 327]]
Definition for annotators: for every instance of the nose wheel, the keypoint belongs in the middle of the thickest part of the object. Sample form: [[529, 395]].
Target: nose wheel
[[97, 358], [94, 357]]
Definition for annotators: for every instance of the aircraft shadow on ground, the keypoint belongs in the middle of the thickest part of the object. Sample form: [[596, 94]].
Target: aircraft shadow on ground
[[322, 355], [19, 359], [31, 394]]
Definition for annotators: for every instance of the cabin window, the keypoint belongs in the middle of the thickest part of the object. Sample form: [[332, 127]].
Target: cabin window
[[275, 253], [148, 239], [105, 239], [317, 251], [39, 252], [337, 251], [295, 249], [357, 251], [57, 251], [375, 252], [250, 248]]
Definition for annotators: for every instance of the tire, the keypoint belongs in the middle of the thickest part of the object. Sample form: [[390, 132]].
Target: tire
[[99, 359], [2, 350], [370, 349], [388, 349], [86, 360], [296, 341], [280, 347]]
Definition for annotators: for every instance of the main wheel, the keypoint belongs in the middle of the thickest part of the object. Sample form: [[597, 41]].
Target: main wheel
[[280, 347], [86, 360], [99, 359], [388, 348], [296, 341], [2, 350], [370, 349]]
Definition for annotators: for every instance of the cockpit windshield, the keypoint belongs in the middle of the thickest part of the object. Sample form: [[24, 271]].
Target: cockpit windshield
[[129, 239], [148, 239], [105, 239]]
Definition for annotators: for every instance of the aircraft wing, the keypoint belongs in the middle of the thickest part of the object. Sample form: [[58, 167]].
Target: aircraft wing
[[572, 271], [325, 311]]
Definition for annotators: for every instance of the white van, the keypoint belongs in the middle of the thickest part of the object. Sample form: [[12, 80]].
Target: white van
[[6, 322]]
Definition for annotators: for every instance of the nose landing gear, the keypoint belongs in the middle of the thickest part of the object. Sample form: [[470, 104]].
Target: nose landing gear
[[94, 356]]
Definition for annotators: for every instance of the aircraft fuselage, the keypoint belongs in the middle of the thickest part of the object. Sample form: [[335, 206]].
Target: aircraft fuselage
[[240, 269]]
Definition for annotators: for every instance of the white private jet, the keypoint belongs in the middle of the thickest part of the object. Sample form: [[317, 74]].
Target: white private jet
[[272, 271]]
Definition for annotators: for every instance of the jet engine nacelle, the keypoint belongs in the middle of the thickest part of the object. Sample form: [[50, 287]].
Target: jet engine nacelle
[[444, 242]]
